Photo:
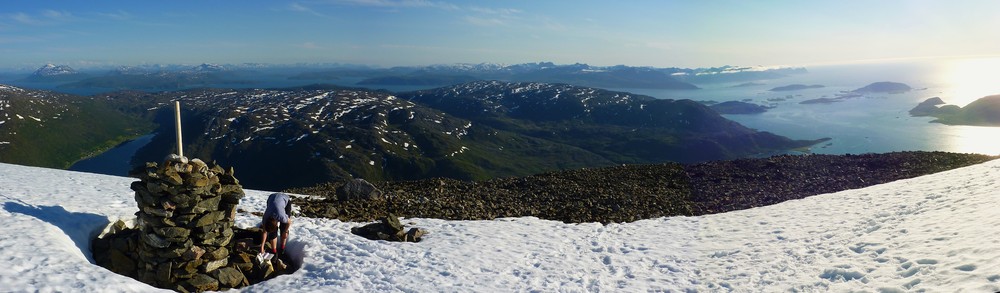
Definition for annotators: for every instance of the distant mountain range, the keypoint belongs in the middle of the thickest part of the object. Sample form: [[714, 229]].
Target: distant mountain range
[[158, 77], [619, 76], [281, 138]]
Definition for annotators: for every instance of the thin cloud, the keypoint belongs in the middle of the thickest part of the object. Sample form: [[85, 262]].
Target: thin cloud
[[296, 7], [46, 17], [57, 15], [24, 18], [496, 11], [492, 16], [401, 3], [117, 15], [310, 46], [19, 39], [482, 21]]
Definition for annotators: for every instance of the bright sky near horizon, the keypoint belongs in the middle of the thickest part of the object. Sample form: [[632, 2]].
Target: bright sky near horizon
[[422, 32]]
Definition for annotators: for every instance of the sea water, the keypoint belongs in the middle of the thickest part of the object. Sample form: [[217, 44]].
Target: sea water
[[872, 123]]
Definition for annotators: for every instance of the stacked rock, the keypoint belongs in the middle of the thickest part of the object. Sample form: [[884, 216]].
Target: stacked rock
[[185, 223]]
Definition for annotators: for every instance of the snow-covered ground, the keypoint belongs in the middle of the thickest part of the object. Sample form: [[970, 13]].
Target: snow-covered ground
[[939, 233]]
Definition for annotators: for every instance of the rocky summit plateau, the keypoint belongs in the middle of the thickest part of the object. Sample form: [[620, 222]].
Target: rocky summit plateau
[[633, 192]]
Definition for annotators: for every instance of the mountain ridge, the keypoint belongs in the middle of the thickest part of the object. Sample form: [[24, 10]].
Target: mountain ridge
[[315, 134]]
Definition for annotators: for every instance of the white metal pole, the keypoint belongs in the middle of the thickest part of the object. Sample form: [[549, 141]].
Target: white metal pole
[[177, 116]]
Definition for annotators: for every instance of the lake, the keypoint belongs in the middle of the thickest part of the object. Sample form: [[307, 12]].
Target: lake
[[875, 123], [115, 161]]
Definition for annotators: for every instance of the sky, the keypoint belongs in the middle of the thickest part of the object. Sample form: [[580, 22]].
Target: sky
[[424, 32], [933, 233]]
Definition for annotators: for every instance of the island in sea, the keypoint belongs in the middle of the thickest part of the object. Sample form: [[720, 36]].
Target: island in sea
[[884, 87], [795, 87], [983, 112], [821, 101], [738, 107], [873, 88], [748, 84]]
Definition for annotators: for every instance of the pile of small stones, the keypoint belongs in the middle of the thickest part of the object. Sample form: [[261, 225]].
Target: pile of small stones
[[633, 192], [183, 235], [389, 229]]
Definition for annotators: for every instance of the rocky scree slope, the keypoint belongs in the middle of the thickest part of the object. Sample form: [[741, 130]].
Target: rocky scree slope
[[634, 192]]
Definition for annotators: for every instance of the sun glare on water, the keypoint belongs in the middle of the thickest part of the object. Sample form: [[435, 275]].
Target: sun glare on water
[[971, 79], [973, 139]]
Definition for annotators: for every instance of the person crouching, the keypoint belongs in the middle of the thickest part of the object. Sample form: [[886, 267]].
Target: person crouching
[[276, 217]]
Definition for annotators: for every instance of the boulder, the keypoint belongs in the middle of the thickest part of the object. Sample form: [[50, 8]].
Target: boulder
[[358, 189]]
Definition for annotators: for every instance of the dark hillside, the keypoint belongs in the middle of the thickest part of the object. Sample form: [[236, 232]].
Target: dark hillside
[[623, 127]]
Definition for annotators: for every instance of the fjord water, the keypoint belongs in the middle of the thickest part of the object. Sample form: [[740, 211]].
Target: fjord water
[[116, 161], [874, 123]]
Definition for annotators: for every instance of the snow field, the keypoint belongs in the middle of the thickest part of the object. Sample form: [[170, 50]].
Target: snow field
[[935, 233]]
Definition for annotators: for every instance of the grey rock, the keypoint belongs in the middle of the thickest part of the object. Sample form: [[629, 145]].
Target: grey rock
[[193, 253], [203, 282], [173, 232], [229, 277], [206, 205], [154, 240], [215, 265], [210, 218], [358, 189], [220, 253]]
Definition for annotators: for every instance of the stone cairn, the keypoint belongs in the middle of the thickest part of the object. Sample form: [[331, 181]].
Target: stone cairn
[[183, 228], [185, 222]]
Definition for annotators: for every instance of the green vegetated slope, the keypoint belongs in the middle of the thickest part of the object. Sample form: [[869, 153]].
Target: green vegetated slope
[[54, 130]]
